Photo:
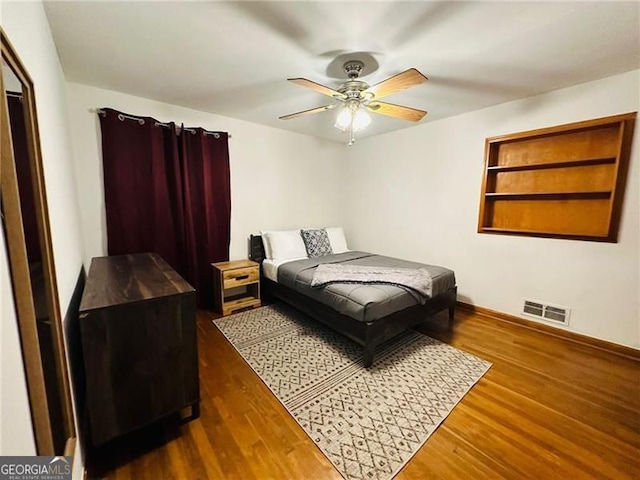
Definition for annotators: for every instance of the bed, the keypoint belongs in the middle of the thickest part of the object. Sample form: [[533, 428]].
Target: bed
[[367, 314]]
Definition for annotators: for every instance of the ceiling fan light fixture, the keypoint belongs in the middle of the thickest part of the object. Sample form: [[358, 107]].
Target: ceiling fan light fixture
[[343, 120], [352, 117], [361, 119]]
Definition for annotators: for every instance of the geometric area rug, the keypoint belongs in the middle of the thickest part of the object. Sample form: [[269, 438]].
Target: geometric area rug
[[367, 422]]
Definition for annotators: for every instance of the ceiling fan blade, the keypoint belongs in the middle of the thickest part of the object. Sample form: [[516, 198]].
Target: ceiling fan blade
[[397, 111], [306, 112], [303, 82], [397, 83]]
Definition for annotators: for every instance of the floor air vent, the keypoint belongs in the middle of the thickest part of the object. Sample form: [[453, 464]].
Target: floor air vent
[[544, 311]]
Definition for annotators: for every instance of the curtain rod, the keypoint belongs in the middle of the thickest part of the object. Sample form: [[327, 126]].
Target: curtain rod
[[140, 120], [14, 94]]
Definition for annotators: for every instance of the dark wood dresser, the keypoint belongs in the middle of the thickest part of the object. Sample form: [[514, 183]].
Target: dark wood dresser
[[138, 329]]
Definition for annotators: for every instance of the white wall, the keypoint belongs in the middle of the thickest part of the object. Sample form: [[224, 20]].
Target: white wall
[[28, 30], [279, 179], [16, 432], [415, 194]]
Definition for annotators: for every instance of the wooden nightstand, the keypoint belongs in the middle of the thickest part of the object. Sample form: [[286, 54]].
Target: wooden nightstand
[[236, 285]]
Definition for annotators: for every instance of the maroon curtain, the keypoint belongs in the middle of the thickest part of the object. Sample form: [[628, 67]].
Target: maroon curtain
[[142, 188], [167, 193], [207, 200]]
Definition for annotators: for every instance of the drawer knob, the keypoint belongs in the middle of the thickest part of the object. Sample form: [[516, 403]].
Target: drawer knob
[[242, 277]]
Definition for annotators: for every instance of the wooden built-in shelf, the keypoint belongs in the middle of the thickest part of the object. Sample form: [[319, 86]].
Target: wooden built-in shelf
[[565, 182]]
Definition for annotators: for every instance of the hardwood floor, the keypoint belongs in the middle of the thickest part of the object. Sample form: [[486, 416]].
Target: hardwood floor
[[548, 408]]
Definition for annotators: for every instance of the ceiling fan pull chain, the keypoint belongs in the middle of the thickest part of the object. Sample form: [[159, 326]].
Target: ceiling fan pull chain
[[352, 136]]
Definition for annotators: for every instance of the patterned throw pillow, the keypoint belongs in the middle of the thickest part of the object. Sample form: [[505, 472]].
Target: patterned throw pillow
[[317, 242]]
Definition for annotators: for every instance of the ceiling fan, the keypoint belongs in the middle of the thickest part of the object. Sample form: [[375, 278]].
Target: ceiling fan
[[357, 98]]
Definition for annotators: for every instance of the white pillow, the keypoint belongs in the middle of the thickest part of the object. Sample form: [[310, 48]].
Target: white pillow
[[284, 245], [337, 240], [266, 244]]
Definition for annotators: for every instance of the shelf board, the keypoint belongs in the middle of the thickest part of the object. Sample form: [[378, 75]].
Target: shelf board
[[544, 166], [239, 298], [239, 303], [549, 195], [544, 233]]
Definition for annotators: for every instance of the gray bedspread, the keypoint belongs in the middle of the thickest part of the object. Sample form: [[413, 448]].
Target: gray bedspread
[[365, 303]]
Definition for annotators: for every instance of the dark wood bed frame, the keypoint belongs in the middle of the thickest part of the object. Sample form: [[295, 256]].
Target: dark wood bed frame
[[369, 335]]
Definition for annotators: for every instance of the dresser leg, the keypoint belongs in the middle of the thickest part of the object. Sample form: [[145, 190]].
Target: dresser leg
[[195, 411], [190, 412]]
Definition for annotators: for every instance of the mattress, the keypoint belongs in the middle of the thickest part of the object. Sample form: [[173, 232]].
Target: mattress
[[365, 303], [270, 268]]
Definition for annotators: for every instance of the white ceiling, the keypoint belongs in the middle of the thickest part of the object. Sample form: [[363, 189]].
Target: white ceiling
[[233, 58]]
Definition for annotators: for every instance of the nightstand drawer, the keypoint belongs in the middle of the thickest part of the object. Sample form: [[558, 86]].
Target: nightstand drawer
[[240, 276]]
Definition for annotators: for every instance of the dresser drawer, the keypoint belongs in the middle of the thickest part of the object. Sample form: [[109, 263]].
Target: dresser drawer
[[240, 276]]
